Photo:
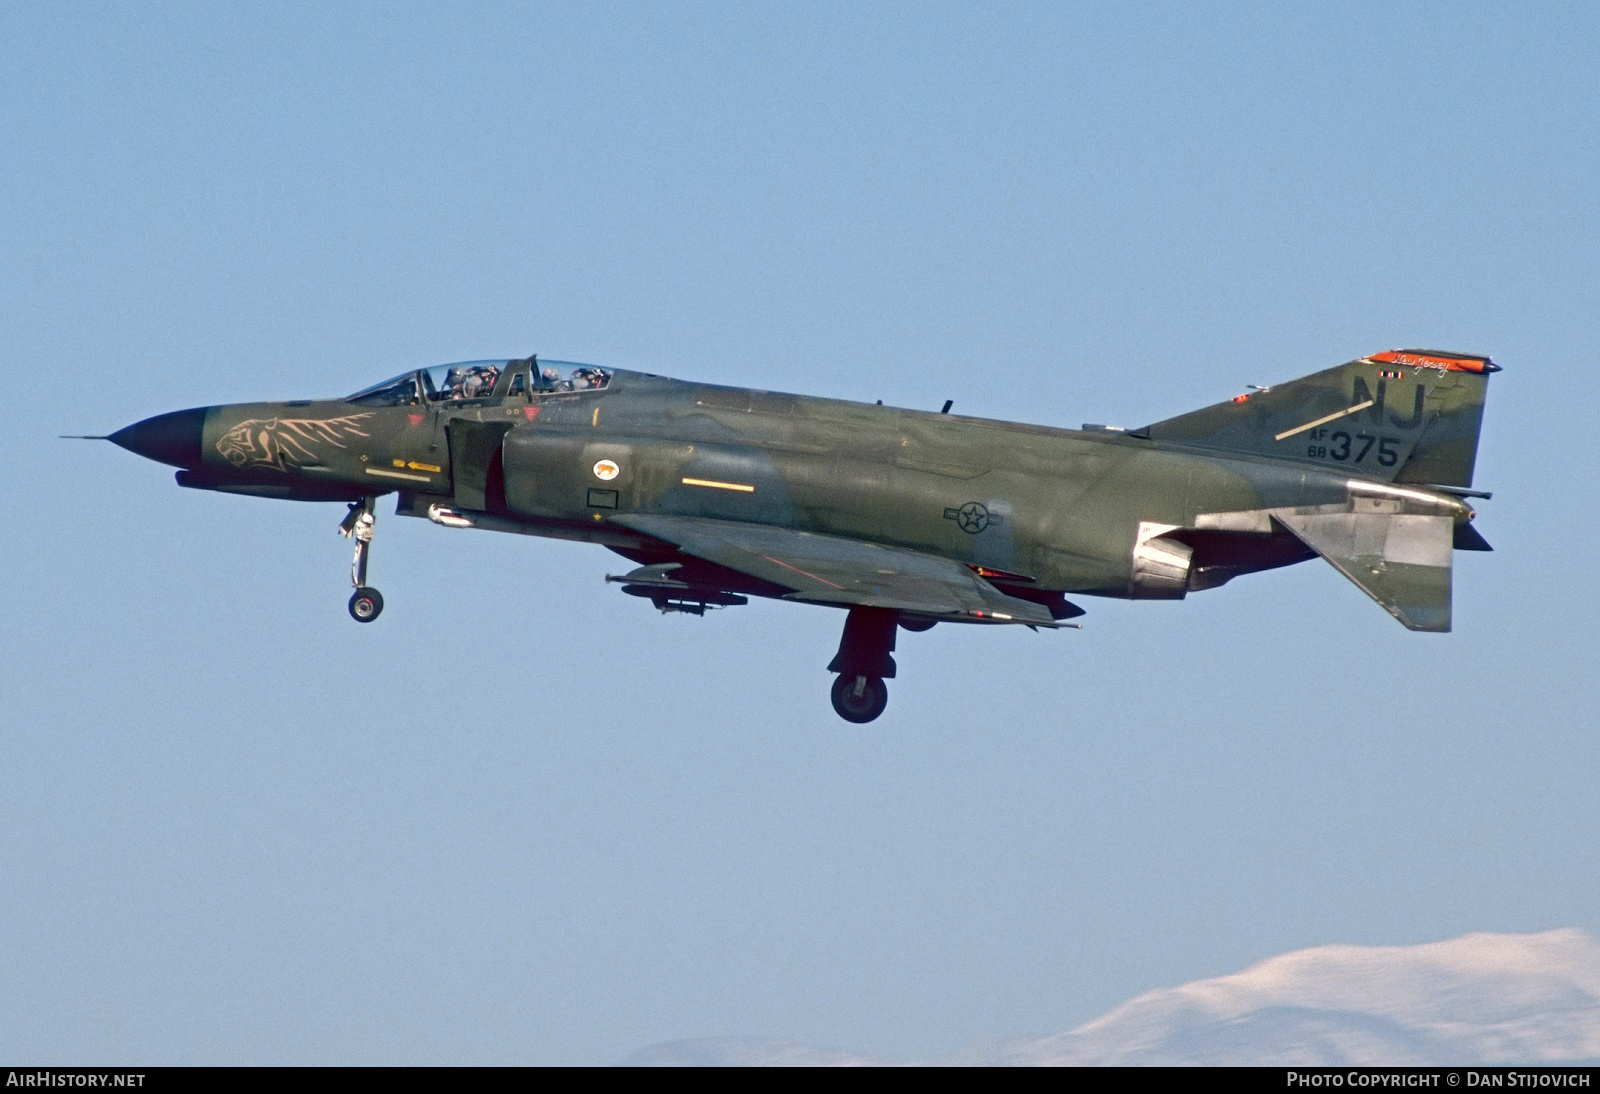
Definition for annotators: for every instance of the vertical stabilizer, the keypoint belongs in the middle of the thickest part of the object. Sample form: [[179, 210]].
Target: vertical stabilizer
[[1402, 416]]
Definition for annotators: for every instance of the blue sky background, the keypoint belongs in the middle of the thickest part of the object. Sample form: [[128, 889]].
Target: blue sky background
[[523, 818]]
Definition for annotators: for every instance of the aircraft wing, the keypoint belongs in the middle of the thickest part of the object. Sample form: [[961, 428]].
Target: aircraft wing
[[833, 570]]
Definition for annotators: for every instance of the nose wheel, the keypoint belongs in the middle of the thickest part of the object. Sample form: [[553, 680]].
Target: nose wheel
[[366, 603]]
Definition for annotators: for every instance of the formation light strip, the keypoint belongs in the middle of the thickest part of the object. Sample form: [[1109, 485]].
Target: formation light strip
[[715, 485], [1322, 421], [397, 475]]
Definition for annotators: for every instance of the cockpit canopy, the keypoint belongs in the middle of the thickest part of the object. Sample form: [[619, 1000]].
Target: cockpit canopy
[[479, 380]]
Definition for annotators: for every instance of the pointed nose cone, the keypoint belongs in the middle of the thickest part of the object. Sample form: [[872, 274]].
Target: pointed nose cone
[[167, 438]]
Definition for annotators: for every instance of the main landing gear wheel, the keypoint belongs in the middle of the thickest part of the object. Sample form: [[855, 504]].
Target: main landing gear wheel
[[366, 605], [864, 663], [860, 699]]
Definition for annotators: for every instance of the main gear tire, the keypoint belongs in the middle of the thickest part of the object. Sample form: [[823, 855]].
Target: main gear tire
[[859, 699], [366, 605]]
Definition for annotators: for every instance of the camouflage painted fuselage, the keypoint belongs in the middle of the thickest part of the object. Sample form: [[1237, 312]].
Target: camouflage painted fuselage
[[904, 518], [1029, 507]]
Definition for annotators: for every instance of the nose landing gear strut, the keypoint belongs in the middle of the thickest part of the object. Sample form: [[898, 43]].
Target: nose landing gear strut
[[365, 603]]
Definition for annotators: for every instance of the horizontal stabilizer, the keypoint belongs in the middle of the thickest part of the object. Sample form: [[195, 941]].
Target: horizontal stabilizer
[[1400, 560]]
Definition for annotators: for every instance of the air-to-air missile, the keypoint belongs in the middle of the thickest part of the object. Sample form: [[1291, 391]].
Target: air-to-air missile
[[904, 518]]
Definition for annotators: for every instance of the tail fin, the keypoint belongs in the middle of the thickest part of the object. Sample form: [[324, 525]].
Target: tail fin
[[1405, 416]]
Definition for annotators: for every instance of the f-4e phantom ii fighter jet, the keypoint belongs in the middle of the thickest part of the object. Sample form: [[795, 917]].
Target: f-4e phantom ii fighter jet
[[903, 518]]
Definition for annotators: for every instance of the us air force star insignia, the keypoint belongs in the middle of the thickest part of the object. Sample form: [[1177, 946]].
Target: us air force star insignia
[[973, 517], [606, 470]]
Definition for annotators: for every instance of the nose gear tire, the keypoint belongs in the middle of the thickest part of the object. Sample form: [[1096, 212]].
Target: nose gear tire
[[366, 605]]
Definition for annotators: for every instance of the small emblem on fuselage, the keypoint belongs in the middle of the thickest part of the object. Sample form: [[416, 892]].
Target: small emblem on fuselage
[[606, 470], [973, 517]]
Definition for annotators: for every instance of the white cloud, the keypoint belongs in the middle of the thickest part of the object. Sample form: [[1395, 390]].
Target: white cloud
[[1478, 999]]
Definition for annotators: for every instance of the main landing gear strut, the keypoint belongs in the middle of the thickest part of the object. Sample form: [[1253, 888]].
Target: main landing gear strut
[[365, 603], [864, 663]]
